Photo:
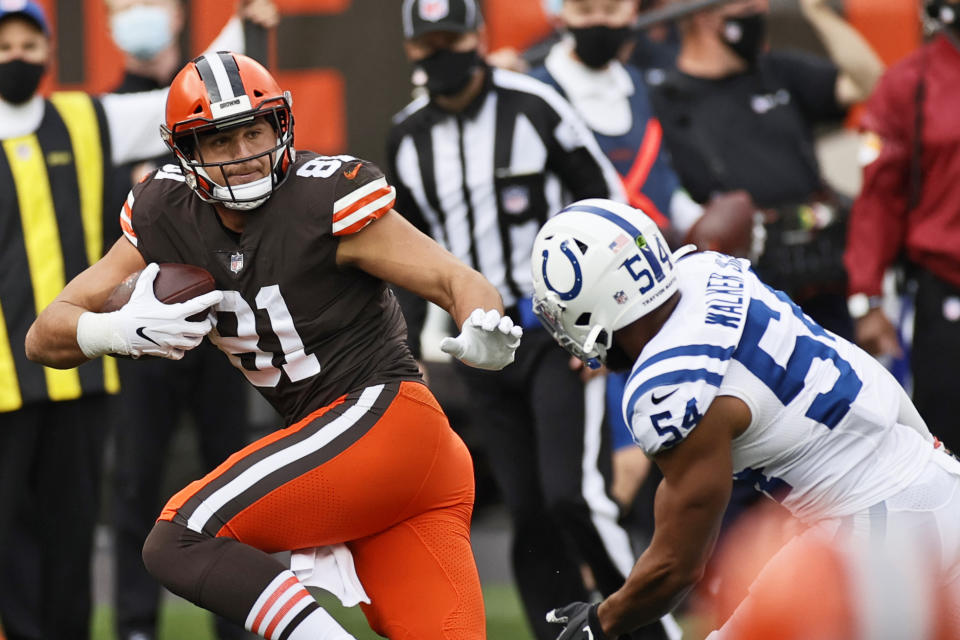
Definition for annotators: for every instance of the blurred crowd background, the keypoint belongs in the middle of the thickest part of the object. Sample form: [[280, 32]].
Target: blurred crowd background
[[346, 89]]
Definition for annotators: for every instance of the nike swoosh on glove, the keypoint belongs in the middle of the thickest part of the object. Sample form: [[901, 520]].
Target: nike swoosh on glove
[[487, 340], [580, 620], [145, 326]]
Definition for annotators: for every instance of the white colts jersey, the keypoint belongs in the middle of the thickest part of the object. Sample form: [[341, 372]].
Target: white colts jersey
[[824, 438]]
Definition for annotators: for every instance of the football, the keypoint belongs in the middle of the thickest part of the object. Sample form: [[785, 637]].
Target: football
[[174, 283], [726, 225]]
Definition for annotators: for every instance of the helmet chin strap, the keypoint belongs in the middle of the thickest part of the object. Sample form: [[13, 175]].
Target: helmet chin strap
[[253, 194], [262, 187], [247, 196], [591, 340]]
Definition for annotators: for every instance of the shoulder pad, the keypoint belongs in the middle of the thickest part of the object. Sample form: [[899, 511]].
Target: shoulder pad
[[361, 194], [667, 394], [168, 171], [682, 368]]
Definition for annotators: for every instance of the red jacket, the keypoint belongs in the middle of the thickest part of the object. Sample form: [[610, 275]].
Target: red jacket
[[882, 223]]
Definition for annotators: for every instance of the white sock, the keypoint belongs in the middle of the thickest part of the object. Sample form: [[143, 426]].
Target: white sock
[[287, 602]]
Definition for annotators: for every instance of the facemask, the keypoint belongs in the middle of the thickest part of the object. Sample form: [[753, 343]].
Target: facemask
[[448, 72], [745, 35], [143, 31], [19, 80], [597, 45]]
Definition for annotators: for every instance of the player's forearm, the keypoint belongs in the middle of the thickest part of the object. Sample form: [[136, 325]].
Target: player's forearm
[[468, 290], [687, 522], [52, 339], [652, 590], [852, 54]]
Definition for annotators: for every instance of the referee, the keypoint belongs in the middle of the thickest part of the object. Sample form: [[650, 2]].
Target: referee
[[53, 423], [479, 163]]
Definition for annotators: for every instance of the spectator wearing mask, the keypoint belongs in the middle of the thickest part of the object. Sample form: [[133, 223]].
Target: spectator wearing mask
[[653, 48], [156, 395], [58, 153], [612, 99], [147, 32], [909, 207], [736, 116], [55, 155]]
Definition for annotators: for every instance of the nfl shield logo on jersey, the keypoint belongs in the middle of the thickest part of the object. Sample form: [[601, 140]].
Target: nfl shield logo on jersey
[[515, 199], [434, 10], [236, 261], [620, 297]]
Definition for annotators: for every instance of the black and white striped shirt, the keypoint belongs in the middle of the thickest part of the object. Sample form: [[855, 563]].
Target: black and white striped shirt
[[483, 181]]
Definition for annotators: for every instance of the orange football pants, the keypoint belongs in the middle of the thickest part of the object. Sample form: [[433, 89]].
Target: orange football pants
[[400, 494]]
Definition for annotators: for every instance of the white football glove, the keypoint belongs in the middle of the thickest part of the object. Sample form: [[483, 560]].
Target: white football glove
[[145, 326], [486, 340]]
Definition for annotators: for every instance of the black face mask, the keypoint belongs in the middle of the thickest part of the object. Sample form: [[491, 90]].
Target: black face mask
[[597, 45], [19, 80], [745, 35], [448, 72]]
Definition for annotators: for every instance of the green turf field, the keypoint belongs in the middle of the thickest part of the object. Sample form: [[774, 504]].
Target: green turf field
[[181, 620]]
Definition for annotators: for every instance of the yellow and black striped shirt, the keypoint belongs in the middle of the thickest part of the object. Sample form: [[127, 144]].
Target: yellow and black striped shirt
[[51, 228]]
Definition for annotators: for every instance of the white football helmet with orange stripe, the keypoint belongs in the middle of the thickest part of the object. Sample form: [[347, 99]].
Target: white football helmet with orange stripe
[[216, 92]]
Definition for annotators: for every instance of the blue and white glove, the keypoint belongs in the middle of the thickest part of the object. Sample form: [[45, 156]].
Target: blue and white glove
[[580, 622], [144, 326], [487, 340]]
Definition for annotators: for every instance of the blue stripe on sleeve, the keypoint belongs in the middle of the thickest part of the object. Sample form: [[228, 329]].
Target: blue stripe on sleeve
[[711, 350], [671, 377]]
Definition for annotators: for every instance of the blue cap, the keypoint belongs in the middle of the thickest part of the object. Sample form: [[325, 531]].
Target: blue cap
[[26, 8]]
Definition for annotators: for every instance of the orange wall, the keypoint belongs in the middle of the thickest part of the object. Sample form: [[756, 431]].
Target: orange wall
[[891, 26]]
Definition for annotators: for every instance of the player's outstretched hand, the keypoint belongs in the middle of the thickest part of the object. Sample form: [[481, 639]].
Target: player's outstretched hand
[[144, 326], [487, 340], [580, 622]]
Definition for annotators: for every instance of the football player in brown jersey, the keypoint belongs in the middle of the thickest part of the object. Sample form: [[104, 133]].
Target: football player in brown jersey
[[301, 246]]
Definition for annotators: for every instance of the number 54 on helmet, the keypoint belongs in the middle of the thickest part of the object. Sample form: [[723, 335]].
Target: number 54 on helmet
[[598, 266]]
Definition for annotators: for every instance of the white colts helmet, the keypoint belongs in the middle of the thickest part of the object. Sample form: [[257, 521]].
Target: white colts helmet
[[599, 265]]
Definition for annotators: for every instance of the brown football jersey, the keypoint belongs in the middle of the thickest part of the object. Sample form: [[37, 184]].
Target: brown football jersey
[[303, 330]]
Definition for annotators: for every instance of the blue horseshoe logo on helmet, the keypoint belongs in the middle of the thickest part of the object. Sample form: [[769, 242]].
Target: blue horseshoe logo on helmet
[[577, 273]]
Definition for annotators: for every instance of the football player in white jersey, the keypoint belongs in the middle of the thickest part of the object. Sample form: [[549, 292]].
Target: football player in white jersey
[[729, 378]]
